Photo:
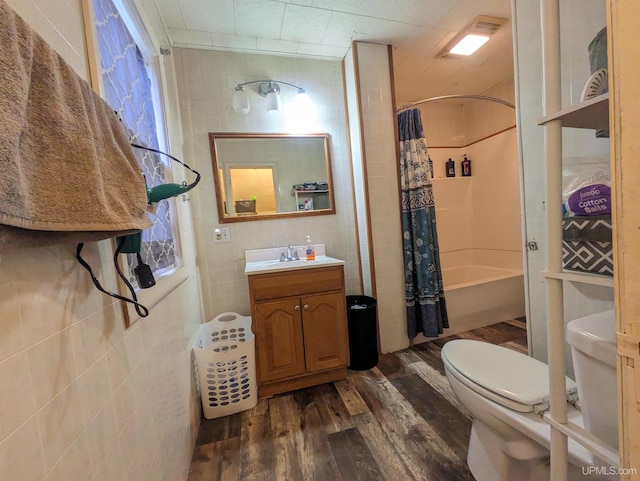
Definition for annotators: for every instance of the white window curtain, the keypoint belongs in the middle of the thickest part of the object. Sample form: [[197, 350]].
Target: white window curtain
[[128, 89]]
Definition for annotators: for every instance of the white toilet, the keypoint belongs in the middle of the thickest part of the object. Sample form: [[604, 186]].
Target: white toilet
[[506, 392]]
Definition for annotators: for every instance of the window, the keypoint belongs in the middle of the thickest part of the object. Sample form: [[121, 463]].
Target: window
[[129, 88]]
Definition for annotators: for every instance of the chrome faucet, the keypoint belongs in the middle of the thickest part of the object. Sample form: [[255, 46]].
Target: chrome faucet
[[291, 255]]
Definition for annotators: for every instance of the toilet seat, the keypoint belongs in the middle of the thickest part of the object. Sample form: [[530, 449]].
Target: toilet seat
[[509, 378]]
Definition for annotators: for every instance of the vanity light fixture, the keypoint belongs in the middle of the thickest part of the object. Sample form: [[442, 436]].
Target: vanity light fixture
[[473, 37], [270, 89]]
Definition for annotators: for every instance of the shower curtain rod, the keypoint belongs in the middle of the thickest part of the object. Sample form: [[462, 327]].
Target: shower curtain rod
[[456, 96]]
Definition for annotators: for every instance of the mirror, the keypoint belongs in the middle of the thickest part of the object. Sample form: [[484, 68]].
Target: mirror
[[267, 176]]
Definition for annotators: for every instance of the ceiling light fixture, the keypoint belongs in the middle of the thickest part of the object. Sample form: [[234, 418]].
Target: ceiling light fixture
[[270, 89], [469, 44], [473, 37]]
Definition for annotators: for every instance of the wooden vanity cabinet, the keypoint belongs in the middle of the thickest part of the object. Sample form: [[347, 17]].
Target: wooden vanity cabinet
[[300, 323]]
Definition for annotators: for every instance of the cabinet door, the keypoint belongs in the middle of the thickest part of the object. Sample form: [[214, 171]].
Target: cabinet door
[[324, 319], [279, 347]]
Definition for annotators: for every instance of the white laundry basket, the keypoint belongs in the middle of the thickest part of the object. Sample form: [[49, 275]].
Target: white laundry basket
[[225, 359]]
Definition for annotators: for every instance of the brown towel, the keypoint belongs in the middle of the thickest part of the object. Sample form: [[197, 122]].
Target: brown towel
[[65, 161]]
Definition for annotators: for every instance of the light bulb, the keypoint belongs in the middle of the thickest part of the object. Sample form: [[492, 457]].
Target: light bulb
[[301, 115], [302, 104], [469, 44], [273, 101], [241, 102]]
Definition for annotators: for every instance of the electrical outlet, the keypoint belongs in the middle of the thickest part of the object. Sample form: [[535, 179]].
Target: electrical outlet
[[221, 234]]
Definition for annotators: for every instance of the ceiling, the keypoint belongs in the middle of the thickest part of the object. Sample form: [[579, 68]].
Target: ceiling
[[324, 29]]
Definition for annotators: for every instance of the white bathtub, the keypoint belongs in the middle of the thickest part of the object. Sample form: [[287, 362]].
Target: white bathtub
[[479, 295]]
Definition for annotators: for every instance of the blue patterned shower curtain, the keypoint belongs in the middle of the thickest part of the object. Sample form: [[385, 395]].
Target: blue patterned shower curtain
[[426, 307]]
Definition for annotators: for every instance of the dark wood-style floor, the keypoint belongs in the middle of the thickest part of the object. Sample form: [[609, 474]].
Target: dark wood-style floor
[[398, 421]]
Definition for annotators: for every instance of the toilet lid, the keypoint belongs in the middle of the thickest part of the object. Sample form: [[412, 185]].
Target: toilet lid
[[509, 374]]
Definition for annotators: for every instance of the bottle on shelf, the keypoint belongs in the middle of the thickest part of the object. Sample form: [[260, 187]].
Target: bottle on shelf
[[466, 167], [430, 165], [450, 166]]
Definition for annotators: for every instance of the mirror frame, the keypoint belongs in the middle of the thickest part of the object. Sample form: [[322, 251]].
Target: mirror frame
[[224, 219]]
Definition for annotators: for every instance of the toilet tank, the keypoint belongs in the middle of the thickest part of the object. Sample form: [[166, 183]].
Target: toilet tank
[[593, 350]]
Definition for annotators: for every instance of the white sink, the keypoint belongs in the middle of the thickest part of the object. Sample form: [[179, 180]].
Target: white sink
[[261, 261]]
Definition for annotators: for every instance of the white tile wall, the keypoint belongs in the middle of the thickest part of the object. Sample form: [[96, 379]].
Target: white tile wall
[[361, 195], [478, 217], [454, 203], [206, 86], [443, 123], [495, 207], [378, 131], [60, 23], [83, 399], [483, 118]]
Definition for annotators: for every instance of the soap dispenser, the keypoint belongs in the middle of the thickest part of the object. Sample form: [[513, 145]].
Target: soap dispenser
[[311, 255], [450, 168], [466, 167]]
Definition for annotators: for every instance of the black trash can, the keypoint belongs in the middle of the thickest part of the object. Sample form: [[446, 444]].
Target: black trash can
[[363, 332]]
